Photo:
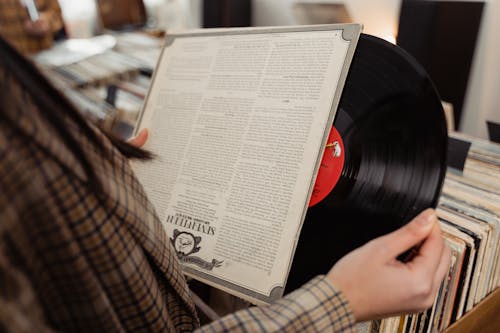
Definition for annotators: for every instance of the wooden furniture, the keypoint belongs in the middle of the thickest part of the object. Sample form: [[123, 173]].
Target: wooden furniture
[[121, 14]]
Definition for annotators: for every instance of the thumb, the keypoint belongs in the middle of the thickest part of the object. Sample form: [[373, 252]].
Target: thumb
[[140, 139], [411, 234]]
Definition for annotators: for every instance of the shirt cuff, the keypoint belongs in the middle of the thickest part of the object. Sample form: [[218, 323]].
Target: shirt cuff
[[326, 304]]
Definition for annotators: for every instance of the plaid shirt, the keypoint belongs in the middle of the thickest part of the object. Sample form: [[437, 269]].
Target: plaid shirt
[[13, 17], [72, 261]]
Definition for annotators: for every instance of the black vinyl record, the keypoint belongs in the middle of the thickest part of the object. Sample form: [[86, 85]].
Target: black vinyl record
[[394, 134]]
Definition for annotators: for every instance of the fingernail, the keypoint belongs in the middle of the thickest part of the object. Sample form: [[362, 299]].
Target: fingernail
[[428, 217]]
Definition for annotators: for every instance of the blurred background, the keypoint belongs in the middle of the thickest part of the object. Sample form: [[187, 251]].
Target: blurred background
[[102, 54], [456, 41]]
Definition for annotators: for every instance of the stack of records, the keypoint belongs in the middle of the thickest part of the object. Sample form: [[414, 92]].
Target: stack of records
[[469, 212], [140, 46], [122, 67], [100, 69]]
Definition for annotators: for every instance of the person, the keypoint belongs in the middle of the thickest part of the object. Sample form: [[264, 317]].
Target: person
[[82, 249], [28, 35]]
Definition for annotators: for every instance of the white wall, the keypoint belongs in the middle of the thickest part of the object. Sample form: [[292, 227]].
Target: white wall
[[380, 18], [483, 98], [79, 17]]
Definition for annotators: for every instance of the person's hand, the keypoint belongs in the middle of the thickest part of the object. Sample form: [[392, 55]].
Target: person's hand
[[378, 285], [141, 138], [40, 27]]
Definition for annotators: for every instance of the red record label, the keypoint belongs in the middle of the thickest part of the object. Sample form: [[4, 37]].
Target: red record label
[[330, 169]]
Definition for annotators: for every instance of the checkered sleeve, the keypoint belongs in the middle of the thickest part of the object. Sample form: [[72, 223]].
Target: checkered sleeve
[[316, 307], [20, 311]]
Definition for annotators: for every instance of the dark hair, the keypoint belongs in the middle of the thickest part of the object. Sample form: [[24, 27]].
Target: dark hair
[[54, 105]]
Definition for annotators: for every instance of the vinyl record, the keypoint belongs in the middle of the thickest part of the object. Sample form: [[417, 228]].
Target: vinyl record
[[384, 163]]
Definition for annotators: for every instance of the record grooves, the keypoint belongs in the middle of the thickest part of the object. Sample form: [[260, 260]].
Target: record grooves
[[394, 133]]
